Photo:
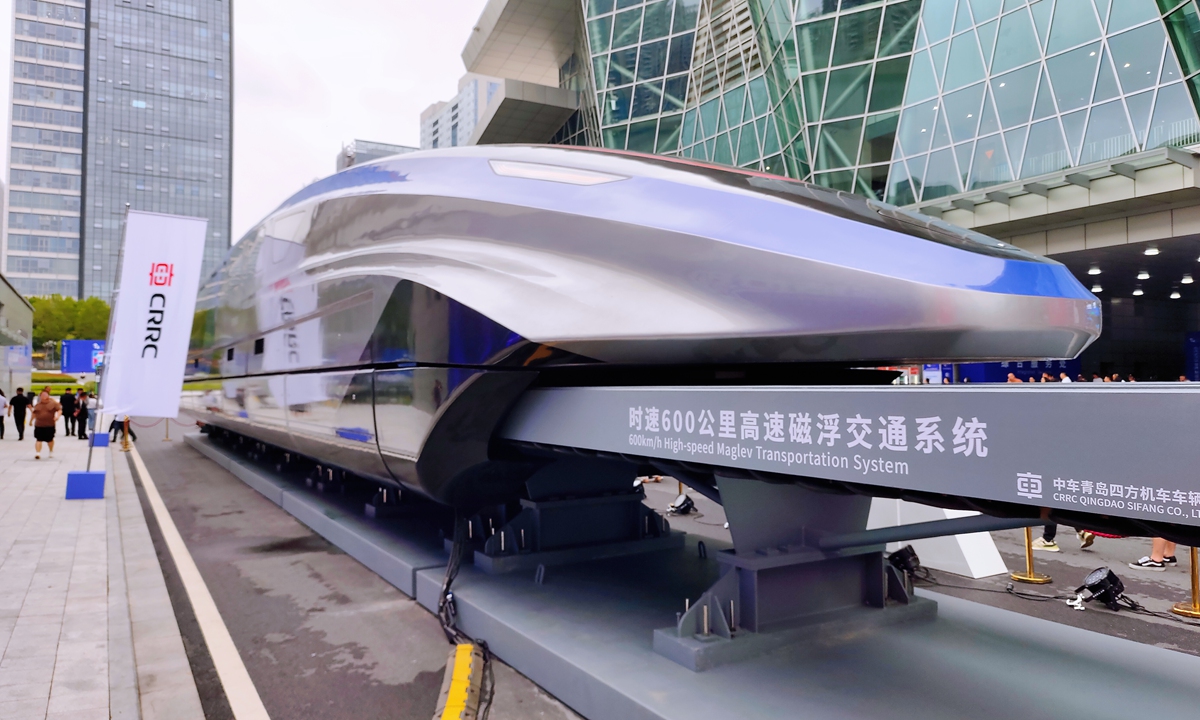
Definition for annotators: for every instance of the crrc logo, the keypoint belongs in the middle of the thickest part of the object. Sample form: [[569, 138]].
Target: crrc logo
[[1029, 485], [161, 274]]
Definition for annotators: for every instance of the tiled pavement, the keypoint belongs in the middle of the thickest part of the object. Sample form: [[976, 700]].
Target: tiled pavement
[[71, 572]]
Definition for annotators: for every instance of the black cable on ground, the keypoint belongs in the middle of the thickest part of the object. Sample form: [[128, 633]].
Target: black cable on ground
[[448, 616], [924, 575]]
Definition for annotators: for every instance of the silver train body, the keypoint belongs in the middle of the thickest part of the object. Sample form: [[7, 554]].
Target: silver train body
[[384, 319]]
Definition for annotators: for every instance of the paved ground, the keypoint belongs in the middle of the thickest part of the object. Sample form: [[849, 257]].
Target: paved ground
[[1156, 591], [321, 635], [81, 595]]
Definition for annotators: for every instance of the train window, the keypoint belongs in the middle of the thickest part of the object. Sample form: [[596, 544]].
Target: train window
[[229, 354], [258, 346]]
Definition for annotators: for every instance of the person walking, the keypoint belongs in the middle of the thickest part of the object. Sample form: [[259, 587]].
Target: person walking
[[45, 418], [67, 400], [1046, 541], [3, 410], [17, 407], [1162, 556], [82, 412], [118, 428]]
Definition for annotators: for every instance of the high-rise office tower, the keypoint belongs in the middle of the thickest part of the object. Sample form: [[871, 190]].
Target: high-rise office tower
[[41, 250], [159, 123]]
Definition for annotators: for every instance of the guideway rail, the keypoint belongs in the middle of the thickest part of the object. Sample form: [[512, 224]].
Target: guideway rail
[[1120, 458]]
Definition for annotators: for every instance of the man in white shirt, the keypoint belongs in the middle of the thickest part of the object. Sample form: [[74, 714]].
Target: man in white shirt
[[1065, 377]]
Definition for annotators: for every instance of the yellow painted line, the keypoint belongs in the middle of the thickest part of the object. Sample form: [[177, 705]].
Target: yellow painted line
[[460, 683], [239, 688]]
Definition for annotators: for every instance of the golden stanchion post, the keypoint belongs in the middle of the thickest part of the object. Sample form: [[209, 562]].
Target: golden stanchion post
[[168, 437], [1191, 609], [1029, 576], [125, 440]]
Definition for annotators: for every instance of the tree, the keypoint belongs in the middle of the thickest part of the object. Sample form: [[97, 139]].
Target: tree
[[91, 319], [57, 318]]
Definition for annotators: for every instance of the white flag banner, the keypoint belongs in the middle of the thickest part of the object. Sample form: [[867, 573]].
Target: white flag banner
[[152, 315]]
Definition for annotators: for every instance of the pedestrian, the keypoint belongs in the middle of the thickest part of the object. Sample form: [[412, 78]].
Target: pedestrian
[[1063, 377], [45, 418], [82, 412], [67, 400], [1162, 554], [1047, 540], [16, 408], [3, 409], [1096, 378], [118, 427]]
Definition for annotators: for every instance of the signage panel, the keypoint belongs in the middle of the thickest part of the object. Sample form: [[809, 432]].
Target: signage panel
[[1123, 450], [81, 356]]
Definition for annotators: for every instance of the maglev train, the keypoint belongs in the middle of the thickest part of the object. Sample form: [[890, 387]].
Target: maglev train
[[385, 319]]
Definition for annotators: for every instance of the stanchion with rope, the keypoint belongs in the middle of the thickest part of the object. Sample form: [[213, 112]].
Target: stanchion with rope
[[125, 446], [1029, 576], [1191, 609]]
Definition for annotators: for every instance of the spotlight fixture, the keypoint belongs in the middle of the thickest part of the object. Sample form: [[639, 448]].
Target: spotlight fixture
[[1152, 250], [1103, 585], [1143, 275], [682, 505], [1096, 288], [1187, 280], [1138, 293], [1094, 270], [905, 560], [1175, 295]]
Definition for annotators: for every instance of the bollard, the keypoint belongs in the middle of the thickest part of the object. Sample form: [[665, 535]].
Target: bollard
[[168, 437], [1191, 609], [1029, 576], [125, 440]]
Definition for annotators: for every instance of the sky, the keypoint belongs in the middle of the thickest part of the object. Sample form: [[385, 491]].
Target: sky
[[312, 75]]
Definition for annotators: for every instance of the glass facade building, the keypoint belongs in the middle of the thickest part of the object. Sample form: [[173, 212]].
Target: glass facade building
[[1068, 128], [903, 100], [159, 122], [41, 252]]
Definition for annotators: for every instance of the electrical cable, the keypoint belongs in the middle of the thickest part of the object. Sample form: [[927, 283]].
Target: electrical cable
[[924, 575], [448, 616]]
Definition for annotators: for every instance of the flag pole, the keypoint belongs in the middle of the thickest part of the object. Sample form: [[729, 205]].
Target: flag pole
[[108, 339]]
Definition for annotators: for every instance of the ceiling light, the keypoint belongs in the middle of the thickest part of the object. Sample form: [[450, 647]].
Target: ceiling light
[[1175, 295], [1096, 288], [1138, 293], [1152, 250], [1187, 280], [1094, 270], [1143, 275]]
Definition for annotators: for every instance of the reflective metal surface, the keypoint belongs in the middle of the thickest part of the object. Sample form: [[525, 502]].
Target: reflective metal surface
[[381, 318]]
